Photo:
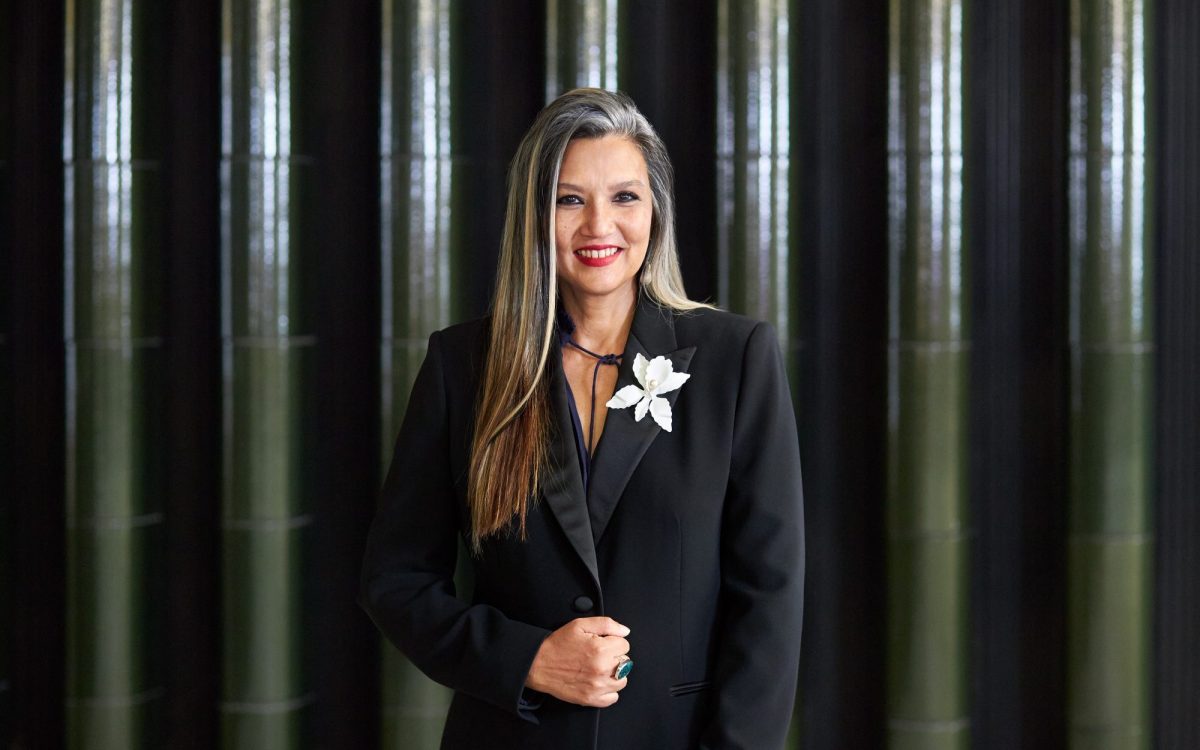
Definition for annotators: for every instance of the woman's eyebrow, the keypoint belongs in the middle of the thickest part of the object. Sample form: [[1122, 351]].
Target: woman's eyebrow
[[618, 186]]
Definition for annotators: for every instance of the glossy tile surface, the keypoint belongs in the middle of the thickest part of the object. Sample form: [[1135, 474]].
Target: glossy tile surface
[[1112, 353], [268, 345], [421, 256], [929, 349], [113, 327], [757, 264], [581, 45]]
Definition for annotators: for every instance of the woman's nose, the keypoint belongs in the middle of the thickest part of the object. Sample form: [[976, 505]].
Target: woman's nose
[[597, 220]]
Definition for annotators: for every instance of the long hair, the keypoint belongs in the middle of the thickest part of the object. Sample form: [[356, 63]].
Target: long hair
[[513, 419]]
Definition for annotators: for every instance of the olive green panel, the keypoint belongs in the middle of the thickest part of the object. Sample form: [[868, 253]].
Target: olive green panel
[[113, 685], [414, 707], [1112, 352], [928, 557], [268, 400], [113, 323], [270, 727], [112, 724], [262, 666], [421, 258], [756, 262], [1111, 625], [1112, 463], [927, 437], [268, 321], [114, 464], [581, 44], [927, 643], [951, 736]]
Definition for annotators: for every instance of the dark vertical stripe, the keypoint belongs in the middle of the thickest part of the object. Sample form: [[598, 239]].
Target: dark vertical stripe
[[344, 141], [841, 108], [1018, 375], [35, 290], [667, 64], [501, 87], [193, 353], [6, 417], [1177, 611]]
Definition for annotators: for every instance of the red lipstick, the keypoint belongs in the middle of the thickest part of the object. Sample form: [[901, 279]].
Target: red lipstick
[[597, 255]]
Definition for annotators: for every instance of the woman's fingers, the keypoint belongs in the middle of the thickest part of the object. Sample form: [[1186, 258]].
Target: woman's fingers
[[604, 626], [576, 663], [609, 646]]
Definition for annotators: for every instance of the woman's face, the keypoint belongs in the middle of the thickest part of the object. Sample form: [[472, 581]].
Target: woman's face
[[602, 216]]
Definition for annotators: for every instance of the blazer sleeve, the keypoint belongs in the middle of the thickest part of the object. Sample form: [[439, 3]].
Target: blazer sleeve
[[762, 561], [407, 582]]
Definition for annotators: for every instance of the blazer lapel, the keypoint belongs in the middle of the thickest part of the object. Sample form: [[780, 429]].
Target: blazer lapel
[[563, 488], [625, 440]]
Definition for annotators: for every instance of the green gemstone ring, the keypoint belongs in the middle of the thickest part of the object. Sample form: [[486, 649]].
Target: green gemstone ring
[[624, 667]]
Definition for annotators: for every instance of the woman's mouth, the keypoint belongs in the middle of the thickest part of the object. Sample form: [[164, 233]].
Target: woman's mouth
[[597, 255]]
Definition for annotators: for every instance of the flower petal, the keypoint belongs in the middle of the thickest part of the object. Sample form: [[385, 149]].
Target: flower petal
[[627, 396], [673, 381], [660, 409], [642, 406], [657, 373], [639, 368]]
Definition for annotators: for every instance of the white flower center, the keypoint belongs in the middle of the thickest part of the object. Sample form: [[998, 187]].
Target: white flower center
[[651, 383]]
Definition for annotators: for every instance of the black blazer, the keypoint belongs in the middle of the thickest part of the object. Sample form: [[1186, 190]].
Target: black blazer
[[693, 538]]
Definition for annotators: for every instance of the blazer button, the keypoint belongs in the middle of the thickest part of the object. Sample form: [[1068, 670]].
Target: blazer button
[[582, 604]]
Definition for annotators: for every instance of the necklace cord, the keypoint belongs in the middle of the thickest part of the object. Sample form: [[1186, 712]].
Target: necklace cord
[[601, 359]]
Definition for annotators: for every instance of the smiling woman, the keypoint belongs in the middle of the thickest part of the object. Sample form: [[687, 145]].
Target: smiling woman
[[601, 220], [597, 535]]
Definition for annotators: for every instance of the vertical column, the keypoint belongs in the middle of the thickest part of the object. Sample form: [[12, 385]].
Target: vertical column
[[756, 264], [581, 45], [113, 337], [756, 260], [1177, 432], [1109, 564], [268, 346], [6, 411], [419, 254], [927, 561], [1018, 409]]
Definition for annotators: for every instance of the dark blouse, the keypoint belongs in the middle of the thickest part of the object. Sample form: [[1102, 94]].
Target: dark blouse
[[583, 447]]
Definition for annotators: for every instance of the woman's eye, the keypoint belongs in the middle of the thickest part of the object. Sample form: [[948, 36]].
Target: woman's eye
[[626, 197], [570, 200]]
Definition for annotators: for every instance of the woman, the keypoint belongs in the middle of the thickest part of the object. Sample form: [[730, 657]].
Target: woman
[[622, 463]]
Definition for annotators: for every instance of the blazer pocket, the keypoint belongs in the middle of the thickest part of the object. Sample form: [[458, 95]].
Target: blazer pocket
[[687, 688]]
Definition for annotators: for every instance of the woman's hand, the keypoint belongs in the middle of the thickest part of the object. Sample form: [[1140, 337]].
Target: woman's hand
[[576, 662]]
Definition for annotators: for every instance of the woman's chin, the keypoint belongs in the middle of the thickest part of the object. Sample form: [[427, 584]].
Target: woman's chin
[[599, 288]]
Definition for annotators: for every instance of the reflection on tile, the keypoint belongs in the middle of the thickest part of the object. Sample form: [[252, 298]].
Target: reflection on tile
[[581, 45], [756, 274]]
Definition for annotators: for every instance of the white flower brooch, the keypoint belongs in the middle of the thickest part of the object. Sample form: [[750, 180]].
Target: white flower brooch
[[657, 376]]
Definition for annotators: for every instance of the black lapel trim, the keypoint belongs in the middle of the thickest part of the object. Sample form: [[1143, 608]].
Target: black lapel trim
[[563, 486], [626, 440]]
